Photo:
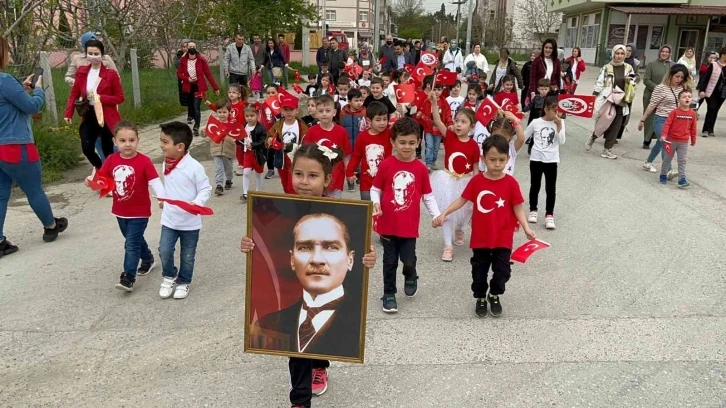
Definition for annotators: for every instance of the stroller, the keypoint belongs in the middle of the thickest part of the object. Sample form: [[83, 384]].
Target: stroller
[[473, 74]]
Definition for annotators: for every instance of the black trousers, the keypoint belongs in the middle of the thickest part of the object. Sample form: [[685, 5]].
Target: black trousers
[[498, 259], [270, 159], [611, 133], [395, 249], [237, 79], [536, 170], [713, 103], [523, 98], [90, 131], [194, 106], [420, 144], [301, 379]]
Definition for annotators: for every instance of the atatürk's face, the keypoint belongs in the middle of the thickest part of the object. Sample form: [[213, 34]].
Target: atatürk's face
[[320, 257]]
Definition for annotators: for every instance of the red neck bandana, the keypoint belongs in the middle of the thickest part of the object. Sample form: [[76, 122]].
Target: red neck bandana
[[170, 164]]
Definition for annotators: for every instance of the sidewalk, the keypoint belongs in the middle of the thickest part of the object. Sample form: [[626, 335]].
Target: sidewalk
[[149, 136]]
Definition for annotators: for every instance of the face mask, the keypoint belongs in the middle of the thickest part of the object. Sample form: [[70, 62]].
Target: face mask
[[389, 42], [95, 59], [192, 51]]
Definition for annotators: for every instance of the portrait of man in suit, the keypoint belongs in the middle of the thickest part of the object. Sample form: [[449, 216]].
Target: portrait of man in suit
[[324, 320]]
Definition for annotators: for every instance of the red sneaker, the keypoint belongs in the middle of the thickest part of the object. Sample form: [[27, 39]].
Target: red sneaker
[[320, 381]]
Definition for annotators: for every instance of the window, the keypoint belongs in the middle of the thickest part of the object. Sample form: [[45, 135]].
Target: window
[[363, 16], [571, 33], [590, 32], [330, 15]]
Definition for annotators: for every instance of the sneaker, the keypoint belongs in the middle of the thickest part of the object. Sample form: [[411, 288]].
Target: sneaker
[[125, 283], [494, 305], [481, 307], [219, 190], [704, 134], [448, 254], [351, 187], [649, 166], [6, 248], [228, 184], [320, 381], [240, 171], [459, 238], [167, 288], [646, 145], [607, 154], [145, 268], [683, 183], [182, 291], [663, 179], [590, 142], [195, 131], [243, 198], [532, 217], [711, 134], [433, 167], [550, 222], [389, 304], [50, 234], [672, 173], [190, 121], [410, 287], [270, 174]]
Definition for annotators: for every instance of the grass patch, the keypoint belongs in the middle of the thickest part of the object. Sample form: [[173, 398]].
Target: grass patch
[[59, 149]]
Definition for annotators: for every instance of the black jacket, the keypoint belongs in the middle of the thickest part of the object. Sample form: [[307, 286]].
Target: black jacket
[[525, 73], [258, 136], [322, 55], [274, 58], [407, 59], [335, 57]]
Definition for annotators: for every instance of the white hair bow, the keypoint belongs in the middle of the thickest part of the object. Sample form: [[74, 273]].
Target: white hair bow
[[327, 152]]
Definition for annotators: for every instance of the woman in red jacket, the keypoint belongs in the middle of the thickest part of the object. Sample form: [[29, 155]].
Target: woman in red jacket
[[546, 65], [98, 85], [193, 68], [576, 68]]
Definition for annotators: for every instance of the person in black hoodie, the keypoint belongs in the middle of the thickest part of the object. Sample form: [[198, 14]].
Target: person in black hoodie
[[525, 75]]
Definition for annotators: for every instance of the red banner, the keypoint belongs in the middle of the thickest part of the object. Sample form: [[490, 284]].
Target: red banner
[[577, 105]]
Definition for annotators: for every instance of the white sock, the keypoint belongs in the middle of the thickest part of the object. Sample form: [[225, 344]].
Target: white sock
[[258, 181], [246, 180]]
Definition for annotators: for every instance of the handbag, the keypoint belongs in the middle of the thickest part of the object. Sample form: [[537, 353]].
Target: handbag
[[81, 104], [277, 72]]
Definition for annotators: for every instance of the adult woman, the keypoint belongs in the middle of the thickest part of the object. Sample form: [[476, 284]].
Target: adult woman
[[504, 66], [193, 68], [19, 159], [712, 86], [183, 100], [365, 57], [654, 73], [546, 65], [689, 60], [478, 58], [614, 88], [453, 60], [663, 101], [275, 61], [96, 84], [577, 67], [525, 76]]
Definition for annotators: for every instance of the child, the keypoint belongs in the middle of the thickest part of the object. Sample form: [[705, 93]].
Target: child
[[268, 119], [184, 179], [284, 137], [432, 135], [378, 95], [237, 95], [401, 183], [312, 86], [498, 208], [365, 91], [507, 93], [325, 85], [507, 126], [454, 100], [223, 153], [133, 173], [473, 98], [448, 184], [365, 79], [311, 118], [536, 105], [312, 174], [372, 146], [547, 134], [677, 130], [399, 77], [256, 84], [353, 118], [330, 134], [341, 97], [386, 80], [255, 153]]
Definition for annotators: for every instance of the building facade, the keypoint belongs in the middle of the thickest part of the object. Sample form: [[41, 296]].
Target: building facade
[[356, 18], [523, 34]]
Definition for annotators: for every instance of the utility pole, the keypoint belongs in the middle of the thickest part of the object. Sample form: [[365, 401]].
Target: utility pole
[[377, 28], [458, 17], [468, 27], [325, 22]]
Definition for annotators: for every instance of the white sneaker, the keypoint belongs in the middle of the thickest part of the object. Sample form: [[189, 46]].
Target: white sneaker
[[649, 166], [672, 174], [550, 222], [181, 292], [167, 288], [589, 143], [240, 171], [532, 217], [607, 154]]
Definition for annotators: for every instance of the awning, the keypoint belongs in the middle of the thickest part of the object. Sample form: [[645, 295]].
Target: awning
[[678, 11]]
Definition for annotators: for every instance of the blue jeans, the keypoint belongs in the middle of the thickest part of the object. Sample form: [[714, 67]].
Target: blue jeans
[[432, 148], [135, 246], [99, 149], [188, 243], [658, 123], [283, 79], [27, 176]]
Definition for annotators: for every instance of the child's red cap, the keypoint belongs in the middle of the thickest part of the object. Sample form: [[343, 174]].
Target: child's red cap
[[289, 102]]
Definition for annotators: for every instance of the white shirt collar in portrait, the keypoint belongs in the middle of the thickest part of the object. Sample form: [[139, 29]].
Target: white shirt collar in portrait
[[321, 318]]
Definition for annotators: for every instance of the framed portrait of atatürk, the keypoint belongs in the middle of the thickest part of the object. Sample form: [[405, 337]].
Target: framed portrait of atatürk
[[306, 285]]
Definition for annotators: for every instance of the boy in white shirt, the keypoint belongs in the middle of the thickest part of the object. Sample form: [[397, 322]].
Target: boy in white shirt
[[185, 180], [455, 100]]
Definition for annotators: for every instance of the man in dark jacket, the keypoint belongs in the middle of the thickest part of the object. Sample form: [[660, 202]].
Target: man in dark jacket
[[323, 53], [258, 51], [416, 53], [388, 51], [336, 57], [400, 57]]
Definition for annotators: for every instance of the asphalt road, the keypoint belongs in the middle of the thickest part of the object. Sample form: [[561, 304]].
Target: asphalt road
[[625, 310]]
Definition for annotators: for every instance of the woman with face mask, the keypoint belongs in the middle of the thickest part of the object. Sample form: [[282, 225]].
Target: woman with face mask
[[193, 69]]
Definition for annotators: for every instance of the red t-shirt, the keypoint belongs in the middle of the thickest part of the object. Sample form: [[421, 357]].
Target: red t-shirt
[[493, 221], [426, 121], [402, 185], [337, 137], [502, 96], [681, 126], [370, 151], [456, 149], [132, 176], [237, 113]]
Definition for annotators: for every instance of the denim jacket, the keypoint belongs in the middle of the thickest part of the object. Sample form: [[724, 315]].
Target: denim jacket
[[16, 106]]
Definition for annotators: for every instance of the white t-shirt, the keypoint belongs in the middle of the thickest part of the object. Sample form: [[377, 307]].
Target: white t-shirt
[[91, 83], [480, 134], [249, 130], [549, 66], [364, 82], [454, 103], [547, 141], [290, 133]]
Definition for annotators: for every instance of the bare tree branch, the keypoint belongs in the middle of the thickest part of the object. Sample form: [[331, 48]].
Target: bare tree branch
[[540, 24], [28, 8]]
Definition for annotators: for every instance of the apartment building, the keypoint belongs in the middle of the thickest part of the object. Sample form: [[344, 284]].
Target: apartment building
[[356, 18], [522, 33]]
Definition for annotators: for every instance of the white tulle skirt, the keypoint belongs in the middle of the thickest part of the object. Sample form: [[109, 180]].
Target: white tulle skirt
[[448, 189]]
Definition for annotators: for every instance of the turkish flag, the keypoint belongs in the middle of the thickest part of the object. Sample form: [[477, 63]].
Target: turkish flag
[[375, 223], [357, 69], [420, 71], [274, 103], [236, 130], [216, 130], [522, 253], [577, 105], [510, 106], [409, 68], [297, 88], [392, 121], [412, 80], [101, 183], [405, 93], [447, 78], [420, 98], [191, 208], [429, 58], [382, 60], [487, 111], [668, 147]]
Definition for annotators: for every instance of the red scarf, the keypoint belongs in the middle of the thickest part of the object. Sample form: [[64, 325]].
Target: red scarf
[[170, 164]]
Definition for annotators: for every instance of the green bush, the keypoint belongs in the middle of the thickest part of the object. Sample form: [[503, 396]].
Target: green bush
[[59, 149]]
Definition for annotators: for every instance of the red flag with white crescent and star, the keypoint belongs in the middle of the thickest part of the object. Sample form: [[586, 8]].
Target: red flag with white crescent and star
[[297, 88], [522, 253], [510, 106], [447, 78], [668, 147], [273, 102], [487, 111], [577, 105], [101, 183], [216, 130], [420, 98], [409, 68], [420, 71], [405, 93], [236, 130]]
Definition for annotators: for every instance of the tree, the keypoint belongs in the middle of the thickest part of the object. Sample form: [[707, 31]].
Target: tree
[[541, 24], [412, 19], [264, 17], [500, 30]]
